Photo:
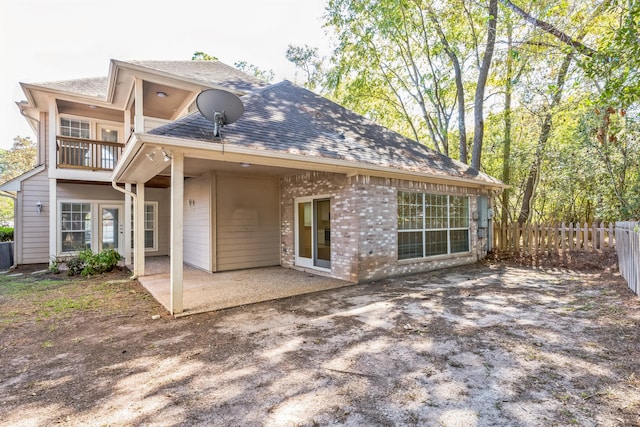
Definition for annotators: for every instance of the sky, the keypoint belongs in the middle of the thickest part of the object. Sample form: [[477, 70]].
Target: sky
[[49, 40]]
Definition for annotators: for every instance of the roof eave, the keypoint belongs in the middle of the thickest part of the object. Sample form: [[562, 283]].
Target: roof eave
[[142, 69], [235, 153]]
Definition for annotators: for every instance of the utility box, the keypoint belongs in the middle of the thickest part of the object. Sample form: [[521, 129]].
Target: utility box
[[483, 212], [485, 219]]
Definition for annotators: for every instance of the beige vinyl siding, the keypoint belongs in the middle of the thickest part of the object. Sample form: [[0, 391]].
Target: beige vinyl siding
[[106, 194], [162, 196], [34, 226], [89, 192], [248, 231], [197, 223]]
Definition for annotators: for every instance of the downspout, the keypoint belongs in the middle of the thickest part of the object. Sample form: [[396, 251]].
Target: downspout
[[15, 206], [135, 235]]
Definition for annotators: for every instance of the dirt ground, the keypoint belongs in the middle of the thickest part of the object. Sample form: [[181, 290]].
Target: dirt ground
[[499, 343]]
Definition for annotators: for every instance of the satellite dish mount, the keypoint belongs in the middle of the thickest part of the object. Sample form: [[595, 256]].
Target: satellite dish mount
[[220, 108]]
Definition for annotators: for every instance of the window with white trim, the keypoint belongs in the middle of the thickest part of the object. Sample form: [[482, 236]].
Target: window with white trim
[[75, 226], [432, 224], [75, 128], [150, 226]]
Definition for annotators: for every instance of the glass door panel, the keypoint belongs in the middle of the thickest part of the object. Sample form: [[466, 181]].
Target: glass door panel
[[111, 228], [323, 233], [304, 230], [313, 233]]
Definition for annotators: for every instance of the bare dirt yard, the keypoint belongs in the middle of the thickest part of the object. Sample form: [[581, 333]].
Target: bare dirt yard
[[499, 343]]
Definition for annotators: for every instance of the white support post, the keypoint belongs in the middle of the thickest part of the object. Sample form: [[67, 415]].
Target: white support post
[[53, 163], [52, 137], [53, 220], [138, 119], [177, 225], [127, 226], [138, 215], [127, 125]]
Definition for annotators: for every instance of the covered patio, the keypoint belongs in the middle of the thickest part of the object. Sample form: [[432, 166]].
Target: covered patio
[[203, 291]]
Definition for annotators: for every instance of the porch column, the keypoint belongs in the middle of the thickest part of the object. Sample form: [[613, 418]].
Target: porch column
[[138, 118], [53, 164], [53, 220], [127, 226], [138, 245], [177, 225]]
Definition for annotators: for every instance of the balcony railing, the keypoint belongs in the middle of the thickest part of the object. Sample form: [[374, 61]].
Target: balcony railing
[[88, 154]]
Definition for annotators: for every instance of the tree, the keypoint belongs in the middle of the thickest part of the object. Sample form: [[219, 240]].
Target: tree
[[254, 70], [20, 158], [478, 105], [306, 58], [201, 56], [17, 160], [553, 89], [409, 47]]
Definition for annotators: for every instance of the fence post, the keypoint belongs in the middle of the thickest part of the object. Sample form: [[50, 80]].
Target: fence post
[[570, 236], [612, 236], [586, 237]]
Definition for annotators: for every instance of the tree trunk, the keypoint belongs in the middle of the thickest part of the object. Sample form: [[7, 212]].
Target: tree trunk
[[532, 179], [506, 152], [478, 113]]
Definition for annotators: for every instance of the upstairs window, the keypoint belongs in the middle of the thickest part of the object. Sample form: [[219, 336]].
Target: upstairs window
[[75, 128]]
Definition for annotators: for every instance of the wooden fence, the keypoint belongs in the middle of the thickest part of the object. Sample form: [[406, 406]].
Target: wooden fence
[[628, 247], [535, 239]]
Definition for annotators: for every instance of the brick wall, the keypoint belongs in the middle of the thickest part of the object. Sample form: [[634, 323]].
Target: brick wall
[[364, 235]]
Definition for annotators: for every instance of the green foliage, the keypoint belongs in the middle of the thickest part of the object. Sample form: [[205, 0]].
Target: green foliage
[[254, 70], [20, 158], [6, 234], [202, 56], [306, 58], [87, 263], [54, 266], [394, 63]]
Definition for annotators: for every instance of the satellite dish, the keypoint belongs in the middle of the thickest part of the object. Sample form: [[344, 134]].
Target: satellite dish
[[219, 107]]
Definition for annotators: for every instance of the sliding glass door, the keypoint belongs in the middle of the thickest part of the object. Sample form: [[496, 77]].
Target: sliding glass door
[[313, 233]]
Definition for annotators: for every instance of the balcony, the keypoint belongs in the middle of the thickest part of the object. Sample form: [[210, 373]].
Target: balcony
[[87, 154]]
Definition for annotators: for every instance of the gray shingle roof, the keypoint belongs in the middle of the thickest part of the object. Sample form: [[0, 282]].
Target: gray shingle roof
[[210, 73], [289, 119], [96, 86]]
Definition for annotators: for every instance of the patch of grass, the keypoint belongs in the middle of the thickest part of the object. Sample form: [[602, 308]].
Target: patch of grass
[[20, 286], [65, 305]]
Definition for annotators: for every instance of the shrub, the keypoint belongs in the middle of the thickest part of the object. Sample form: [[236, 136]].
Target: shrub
[[87, 263], [6, 234], [75, 266]]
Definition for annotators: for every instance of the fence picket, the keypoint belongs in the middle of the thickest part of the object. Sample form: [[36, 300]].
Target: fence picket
[[628, 248], [553, 239]]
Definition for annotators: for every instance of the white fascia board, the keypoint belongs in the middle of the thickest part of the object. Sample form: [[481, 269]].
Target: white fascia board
[[235, 153], [14, 184]]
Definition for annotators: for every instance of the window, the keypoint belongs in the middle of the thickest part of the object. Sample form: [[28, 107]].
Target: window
[[75, 128], [150, 226], [75, 226], [432, 224]]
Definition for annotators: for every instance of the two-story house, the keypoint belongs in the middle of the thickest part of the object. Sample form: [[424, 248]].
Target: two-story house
[[128, 162]]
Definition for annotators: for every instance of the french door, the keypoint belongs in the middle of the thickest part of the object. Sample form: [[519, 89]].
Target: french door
[[313, 233]]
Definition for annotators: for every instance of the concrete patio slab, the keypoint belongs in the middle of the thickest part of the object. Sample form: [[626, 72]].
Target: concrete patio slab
[[204, 291]]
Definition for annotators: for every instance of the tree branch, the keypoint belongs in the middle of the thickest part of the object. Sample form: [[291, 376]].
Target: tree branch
[[549, 28]]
